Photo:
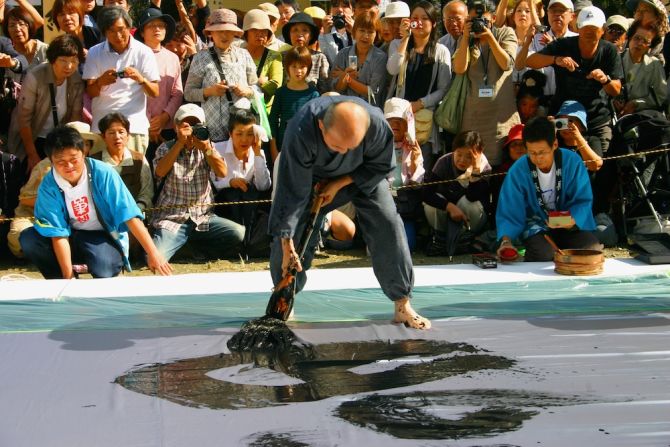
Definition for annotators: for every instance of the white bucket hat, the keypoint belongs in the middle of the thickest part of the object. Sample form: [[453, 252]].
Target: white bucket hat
[[396, 10], [401, 108]]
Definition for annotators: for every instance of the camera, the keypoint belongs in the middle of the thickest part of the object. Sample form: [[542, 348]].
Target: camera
[[121, 74], [339, 22], [561, 123], [479, 23], [414, 24], [200, 131], [541, 29]]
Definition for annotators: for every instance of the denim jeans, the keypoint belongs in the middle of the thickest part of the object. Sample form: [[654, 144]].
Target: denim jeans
[[96, 249], [223, 239]]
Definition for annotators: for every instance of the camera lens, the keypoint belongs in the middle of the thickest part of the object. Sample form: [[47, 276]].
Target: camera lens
[[339, 22], [200, 132]]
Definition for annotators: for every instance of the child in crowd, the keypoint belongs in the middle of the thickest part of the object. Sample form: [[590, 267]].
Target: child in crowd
[[530, 100], [291, 97], [513, 149], [456, 210], [409, 168], [248, 176]]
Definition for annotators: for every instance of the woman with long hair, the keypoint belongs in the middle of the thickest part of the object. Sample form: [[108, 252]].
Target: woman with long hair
[[421, 68]]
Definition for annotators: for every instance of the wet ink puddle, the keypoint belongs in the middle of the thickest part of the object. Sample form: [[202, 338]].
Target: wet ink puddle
[[243, 380]]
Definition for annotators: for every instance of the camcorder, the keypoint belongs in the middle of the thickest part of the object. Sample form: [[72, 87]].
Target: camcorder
[[339, 22], [479, 23], [200, 131]]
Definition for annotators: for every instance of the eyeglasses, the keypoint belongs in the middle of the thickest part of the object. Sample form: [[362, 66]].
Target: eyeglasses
[[642, 40], [615, 30], [17, 24], [455, 19]]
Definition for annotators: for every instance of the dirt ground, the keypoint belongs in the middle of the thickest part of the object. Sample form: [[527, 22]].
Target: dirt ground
[[331, 259]]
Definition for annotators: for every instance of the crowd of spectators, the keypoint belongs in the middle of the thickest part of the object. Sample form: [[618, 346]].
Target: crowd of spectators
[[149, 117]]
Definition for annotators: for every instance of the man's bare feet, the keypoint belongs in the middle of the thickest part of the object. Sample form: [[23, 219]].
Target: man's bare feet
[[405, 314]]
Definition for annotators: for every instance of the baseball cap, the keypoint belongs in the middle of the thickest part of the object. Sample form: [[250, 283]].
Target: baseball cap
[[591, 16], [621, 21], [567, 3], [187, 110]]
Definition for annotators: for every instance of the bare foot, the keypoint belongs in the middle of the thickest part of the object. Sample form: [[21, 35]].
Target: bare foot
[[405, 314]]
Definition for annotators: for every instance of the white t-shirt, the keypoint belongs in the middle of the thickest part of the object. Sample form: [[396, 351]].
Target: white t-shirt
[[548, 186], [79, 203], [61, 106], [125, 95]]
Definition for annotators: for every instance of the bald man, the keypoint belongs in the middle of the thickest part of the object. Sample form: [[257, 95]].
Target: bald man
[[345, 144], [454, 15]]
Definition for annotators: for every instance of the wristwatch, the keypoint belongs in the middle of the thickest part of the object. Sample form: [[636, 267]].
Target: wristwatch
[[607, 82]]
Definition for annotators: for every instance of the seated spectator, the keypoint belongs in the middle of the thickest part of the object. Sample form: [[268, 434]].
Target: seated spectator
[[269, 69], [11, 177], [35, 115], [120, 74], [301, 31], [360, 70], [19, 25], [588, 70], [457, 210], [68, 16], [530, 96], [513, 149], [130, 165], [645, 86], [248, 176], [28, 194], [616, 29], [154, 30], [190, 160], [546, 179], [573, 136], [291, 97], [337, 28], [82, 215], [218, 92], [409, 168]]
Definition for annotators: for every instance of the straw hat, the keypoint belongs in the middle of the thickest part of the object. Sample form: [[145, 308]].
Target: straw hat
[[223, 20], [256, 19], [84, 130], [270, 9]]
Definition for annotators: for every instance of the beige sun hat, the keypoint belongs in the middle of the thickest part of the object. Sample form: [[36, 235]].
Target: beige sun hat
[[256, 19], [315, 12], [270, 9], [397, 10], [84, 130], [223, 20]]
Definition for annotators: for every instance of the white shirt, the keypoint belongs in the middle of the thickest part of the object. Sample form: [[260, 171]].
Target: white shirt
[[253, 169], [125, 95], [79, 203], [61, 106], [548, 186]]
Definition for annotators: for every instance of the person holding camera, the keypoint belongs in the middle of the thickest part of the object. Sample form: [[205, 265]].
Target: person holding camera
[[183, 168], [545, 181], [486, 55], [588, 69], [421, 70], [337, 28], [120, 73]]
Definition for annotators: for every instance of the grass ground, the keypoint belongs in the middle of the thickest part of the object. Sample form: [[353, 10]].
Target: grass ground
[[330, 259]]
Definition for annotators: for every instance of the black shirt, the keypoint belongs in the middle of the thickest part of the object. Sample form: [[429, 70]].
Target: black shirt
[[575, 86], [417, 78]]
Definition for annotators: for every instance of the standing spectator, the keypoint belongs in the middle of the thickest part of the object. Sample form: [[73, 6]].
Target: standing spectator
[[547, 179], [120, 73], [393, 15], [616, 29], [205, 84], [560, 14], [35, 114], [652, 12], [337, 28], [301, 31], [286, 10], [20, 28], [154, 29], [68, 17], [645, 86], [454, 15], [365, 6], [585, 66], [421, 69], [257, 32], [366, 77], [524, 22], [130, 165], [183, 46], [273, 15], [183, 167], [82, 216], [291, 97], [490, 108]]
